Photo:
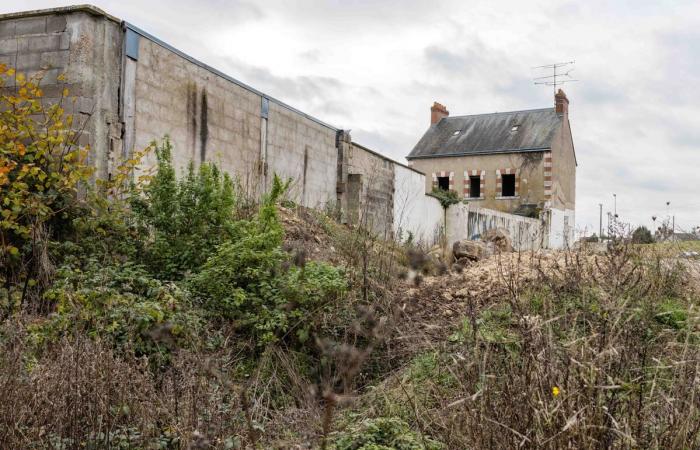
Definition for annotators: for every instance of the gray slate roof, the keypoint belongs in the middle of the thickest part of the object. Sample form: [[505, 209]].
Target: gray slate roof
[[489, 133]]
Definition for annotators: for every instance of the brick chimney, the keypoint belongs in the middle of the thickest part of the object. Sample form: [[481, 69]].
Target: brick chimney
[[437, 112], [561, 103]]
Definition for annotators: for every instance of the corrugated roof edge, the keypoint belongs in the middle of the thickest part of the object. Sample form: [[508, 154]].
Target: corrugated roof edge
[[90, 9], [485, 152], [386, 158]]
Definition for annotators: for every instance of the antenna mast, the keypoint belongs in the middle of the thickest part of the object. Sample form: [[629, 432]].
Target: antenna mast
[[555, 79]]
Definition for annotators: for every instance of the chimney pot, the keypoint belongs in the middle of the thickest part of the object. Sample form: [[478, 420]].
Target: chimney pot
[[561, 103], [437, 112]]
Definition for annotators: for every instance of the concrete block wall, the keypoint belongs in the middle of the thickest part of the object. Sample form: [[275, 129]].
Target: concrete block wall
[[376, 174], [206, 117], [84, 45], [305, 151]]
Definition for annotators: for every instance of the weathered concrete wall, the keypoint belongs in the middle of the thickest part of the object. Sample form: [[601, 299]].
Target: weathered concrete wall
[[468, 222], [210, 118], [529, 177], [375, 173], [206, 117], [84, 45], [305, 151], [416, 213]]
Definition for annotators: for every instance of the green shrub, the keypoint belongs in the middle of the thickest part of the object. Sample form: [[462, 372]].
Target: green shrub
[[642, 235], [123, 305], [184, 220], [446, 198], [384, 433], [246, 280]]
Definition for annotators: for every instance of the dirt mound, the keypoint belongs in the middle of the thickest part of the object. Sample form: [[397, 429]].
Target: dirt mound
[[306, 231]]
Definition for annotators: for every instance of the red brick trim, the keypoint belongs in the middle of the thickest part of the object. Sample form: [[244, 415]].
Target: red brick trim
[[499, 183], [467, 184], [548, 176], [444, 173]]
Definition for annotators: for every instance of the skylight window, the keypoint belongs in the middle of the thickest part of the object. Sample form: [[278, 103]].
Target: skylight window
[[455, 133], [514, 128]]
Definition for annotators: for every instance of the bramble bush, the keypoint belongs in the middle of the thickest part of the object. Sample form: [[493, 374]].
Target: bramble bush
[[123, 305]]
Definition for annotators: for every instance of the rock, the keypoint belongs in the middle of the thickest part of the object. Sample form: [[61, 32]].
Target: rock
[[473, 250], [500, 238]]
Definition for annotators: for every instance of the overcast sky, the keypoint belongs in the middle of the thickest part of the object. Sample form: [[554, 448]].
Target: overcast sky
[[375, 67]]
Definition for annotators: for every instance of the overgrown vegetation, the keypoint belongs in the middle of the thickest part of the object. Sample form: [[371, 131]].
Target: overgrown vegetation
[[160, 310], [446, 198]]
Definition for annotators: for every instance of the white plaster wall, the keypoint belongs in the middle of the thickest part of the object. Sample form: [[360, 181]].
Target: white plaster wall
[[561, 228], [415, 212], [469, 221]]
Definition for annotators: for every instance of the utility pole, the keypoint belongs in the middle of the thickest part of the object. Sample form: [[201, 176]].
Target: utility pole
[[600, 232], [673, 227]]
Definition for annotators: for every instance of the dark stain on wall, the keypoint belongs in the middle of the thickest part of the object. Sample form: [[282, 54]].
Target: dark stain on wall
[[192, 117], [204, 128], [306, 165]]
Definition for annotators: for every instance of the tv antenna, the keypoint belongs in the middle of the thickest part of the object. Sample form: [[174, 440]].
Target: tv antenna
[[561, 74]]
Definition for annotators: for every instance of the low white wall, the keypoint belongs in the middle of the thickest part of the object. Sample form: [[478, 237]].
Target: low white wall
[[469, 222], [414, 212], [561, 228]]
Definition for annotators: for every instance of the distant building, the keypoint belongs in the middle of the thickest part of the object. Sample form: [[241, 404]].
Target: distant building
[[519, 162]]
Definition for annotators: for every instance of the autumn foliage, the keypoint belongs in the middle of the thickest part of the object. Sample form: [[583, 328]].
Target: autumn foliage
[[42, 166]]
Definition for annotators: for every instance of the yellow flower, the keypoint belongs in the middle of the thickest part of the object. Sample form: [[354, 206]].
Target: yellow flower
[[555, 390]]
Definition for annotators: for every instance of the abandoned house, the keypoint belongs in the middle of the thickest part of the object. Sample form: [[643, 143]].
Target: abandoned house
[[131, 88], [519, 162]]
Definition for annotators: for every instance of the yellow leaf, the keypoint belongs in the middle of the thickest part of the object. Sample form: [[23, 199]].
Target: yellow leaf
[[65, 92], [10, 72]]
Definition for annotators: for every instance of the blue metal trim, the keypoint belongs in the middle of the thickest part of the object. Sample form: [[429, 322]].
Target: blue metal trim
[[264, 107], [132, 44], [152, 38]]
